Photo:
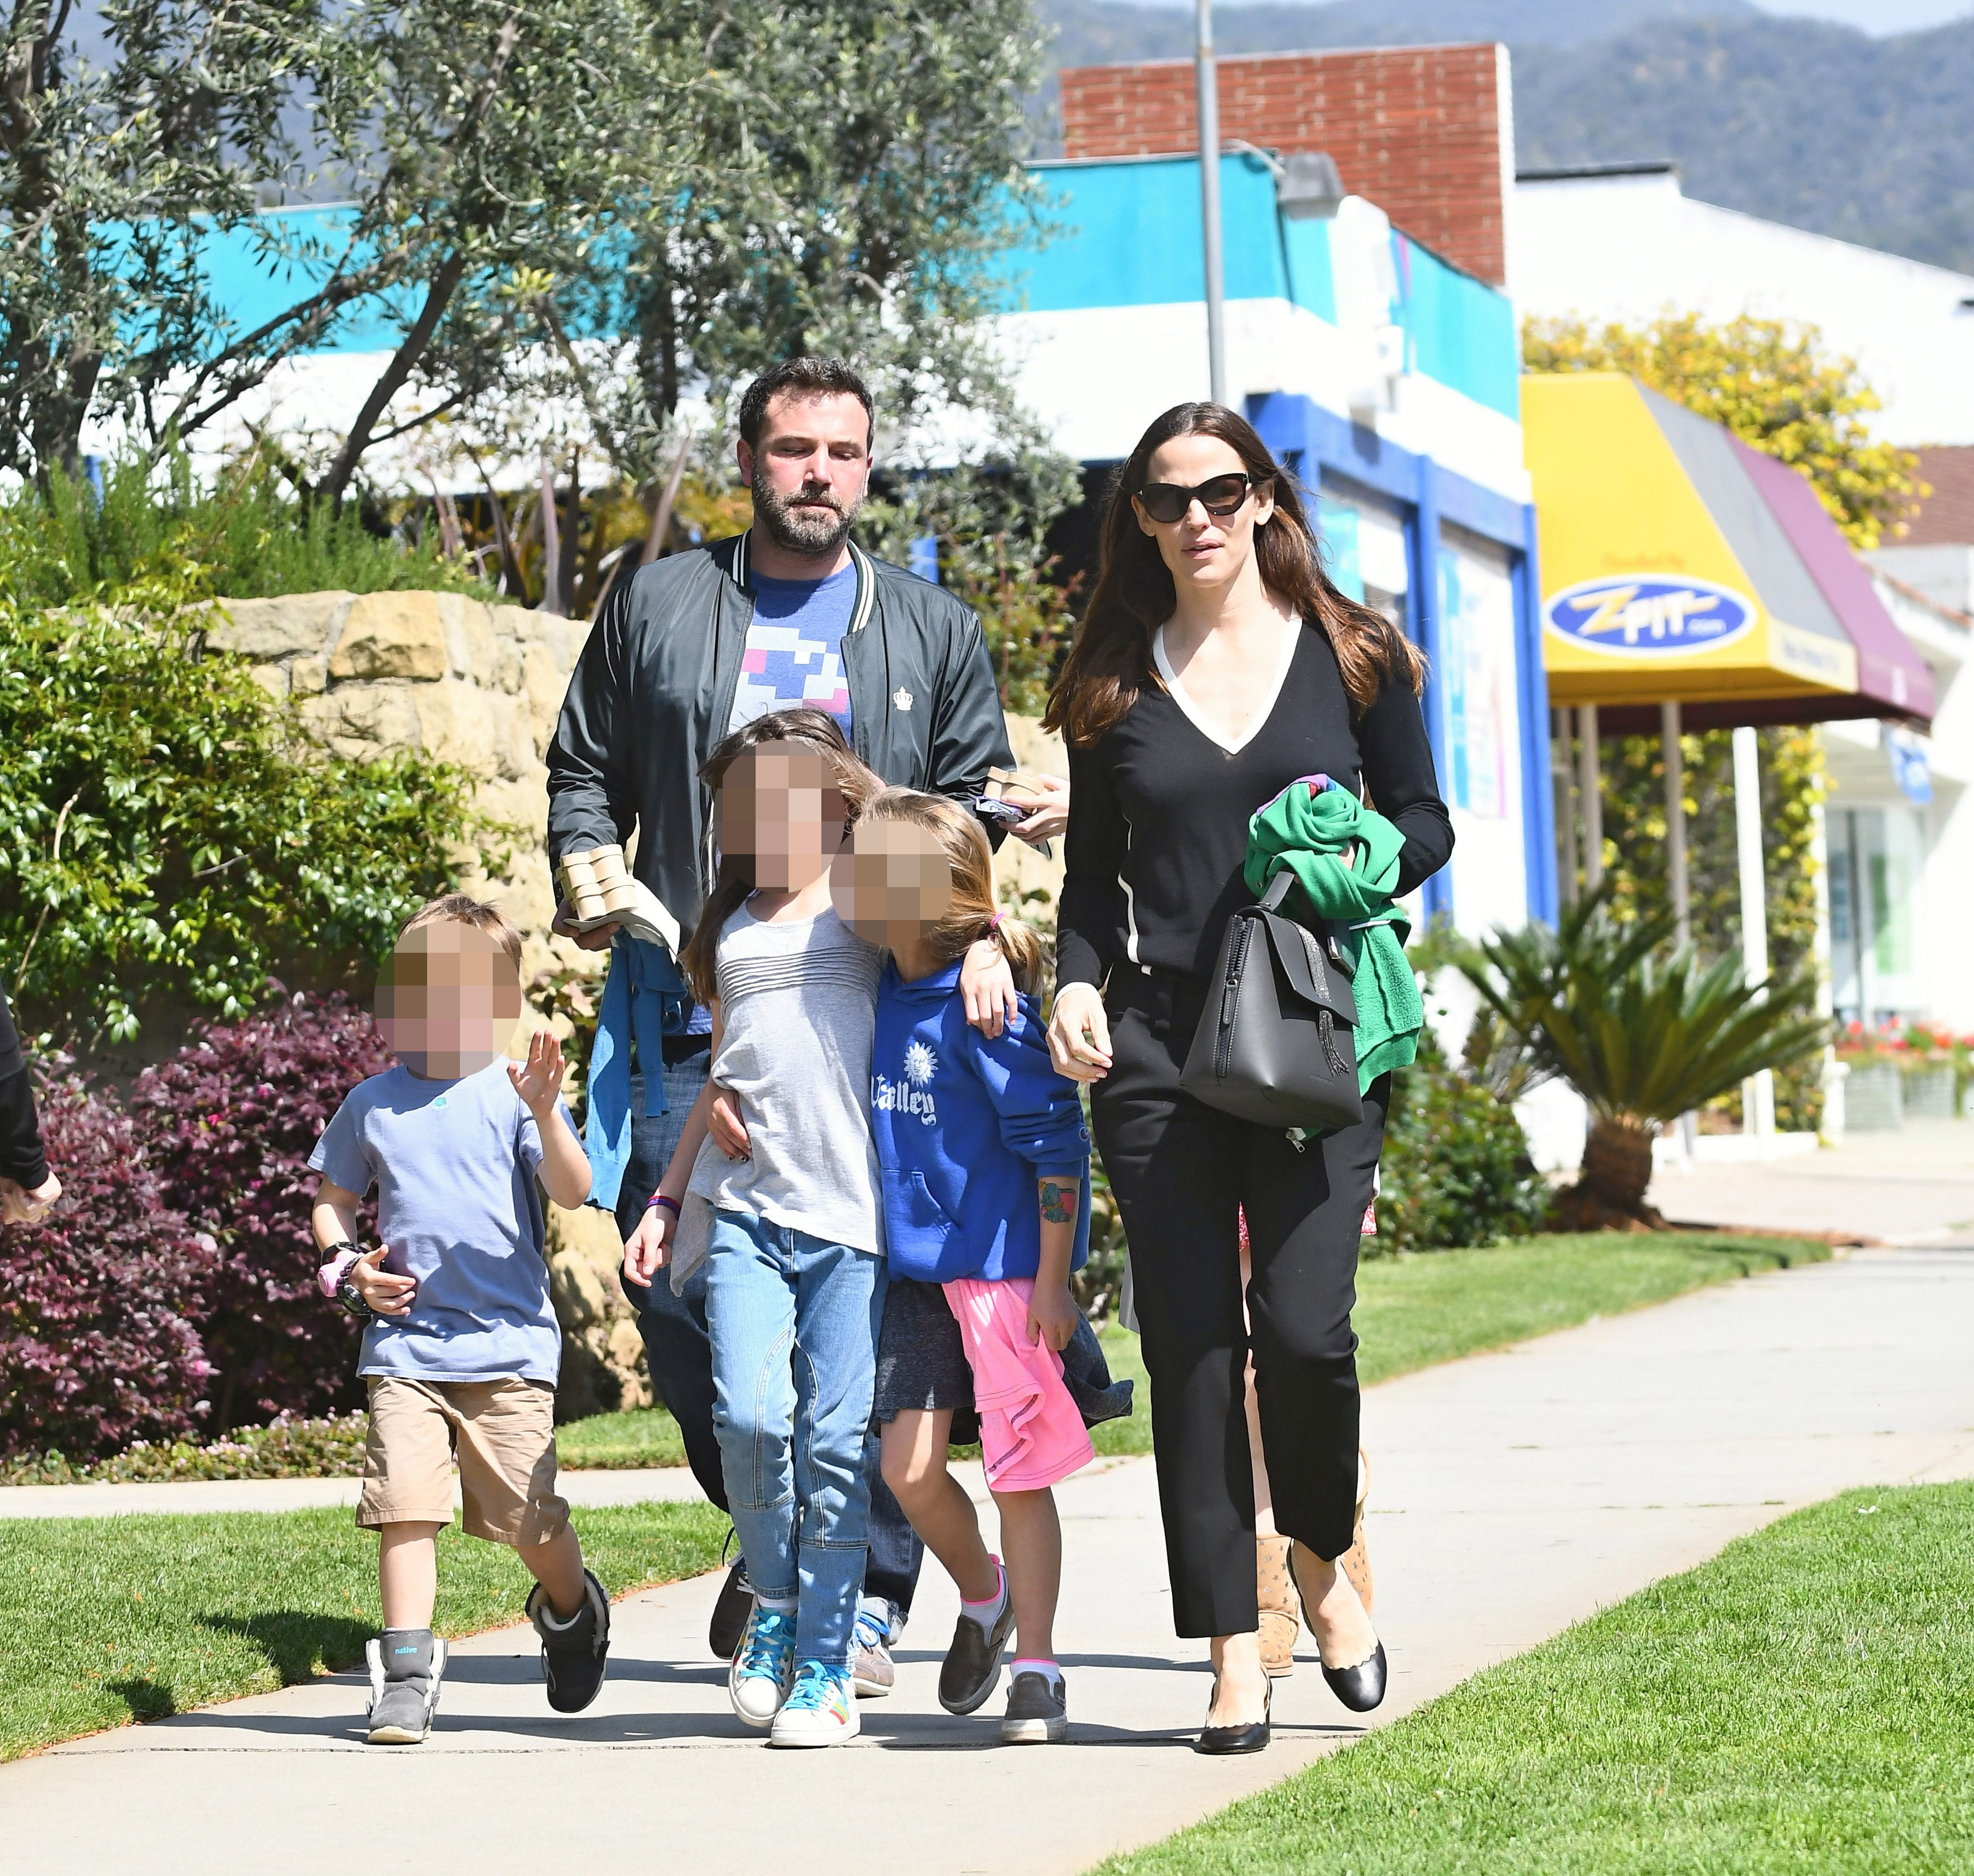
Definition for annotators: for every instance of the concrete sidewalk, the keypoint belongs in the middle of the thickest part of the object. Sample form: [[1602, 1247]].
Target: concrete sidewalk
[[1914, 1184], [638, 1486], [1513, 1493]]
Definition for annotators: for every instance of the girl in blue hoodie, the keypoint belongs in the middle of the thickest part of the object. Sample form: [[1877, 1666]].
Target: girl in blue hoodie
[[985, 1166]]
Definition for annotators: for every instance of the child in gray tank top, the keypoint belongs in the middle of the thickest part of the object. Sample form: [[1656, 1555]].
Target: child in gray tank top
[[795, 1259], [798, 1004]]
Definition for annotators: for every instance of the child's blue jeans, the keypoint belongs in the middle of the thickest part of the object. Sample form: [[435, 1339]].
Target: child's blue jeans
[[794, 1322]]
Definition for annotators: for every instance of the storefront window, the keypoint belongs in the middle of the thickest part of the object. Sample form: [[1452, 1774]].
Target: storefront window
[[1481, 702], [1478, 605], [1877, 966], [1364, 546]]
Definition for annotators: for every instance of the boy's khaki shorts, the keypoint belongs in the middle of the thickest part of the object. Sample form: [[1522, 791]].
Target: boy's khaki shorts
[[502, 1433]]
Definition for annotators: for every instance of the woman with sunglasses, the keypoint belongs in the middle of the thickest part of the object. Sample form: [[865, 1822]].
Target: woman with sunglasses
[[1216, 664]]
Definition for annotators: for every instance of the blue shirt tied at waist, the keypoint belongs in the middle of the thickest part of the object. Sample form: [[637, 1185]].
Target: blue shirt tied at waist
[[645, 997]]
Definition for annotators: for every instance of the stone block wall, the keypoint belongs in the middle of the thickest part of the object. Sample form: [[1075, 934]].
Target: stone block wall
[[382, 673]]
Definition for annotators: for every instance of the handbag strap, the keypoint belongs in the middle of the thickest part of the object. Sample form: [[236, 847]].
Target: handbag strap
[[1278, 890]]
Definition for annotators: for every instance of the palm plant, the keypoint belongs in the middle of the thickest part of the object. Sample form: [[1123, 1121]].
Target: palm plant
[[1643, 1033]]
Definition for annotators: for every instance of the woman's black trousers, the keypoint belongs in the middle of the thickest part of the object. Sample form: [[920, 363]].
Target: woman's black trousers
[[1181, 1172]]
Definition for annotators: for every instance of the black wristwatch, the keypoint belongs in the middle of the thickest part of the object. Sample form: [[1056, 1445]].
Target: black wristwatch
[[346, 1292]]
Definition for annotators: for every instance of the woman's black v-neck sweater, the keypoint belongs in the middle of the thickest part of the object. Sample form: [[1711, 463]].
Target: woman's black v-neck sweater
[[1159, 812]]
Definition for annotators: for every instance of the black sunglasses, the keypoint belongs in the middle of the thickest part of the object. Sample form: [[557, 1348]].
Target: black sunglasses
[[1222, 495]]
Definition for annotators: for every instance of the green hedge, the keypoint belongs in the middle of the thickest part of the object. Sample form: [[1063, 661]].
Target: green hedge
[[153, 528], [1456, 1169], [167, 831]]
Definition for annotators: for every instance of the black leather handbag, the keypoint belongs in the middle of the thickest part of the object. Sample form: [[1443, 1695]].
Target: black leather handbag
[[1274, 1043]]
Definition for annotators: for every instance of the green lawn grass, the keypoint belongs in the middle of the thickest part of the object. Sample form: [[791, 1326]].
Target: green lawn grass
[[1429, 1307], [1803, 1702], [112, 1619], [647, 1436], [1412, 1310]]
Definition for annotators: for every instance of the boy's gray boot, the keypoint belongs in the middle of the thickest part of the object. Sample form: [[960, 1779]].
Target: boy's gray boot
[[406, 1666], [573, 1652]]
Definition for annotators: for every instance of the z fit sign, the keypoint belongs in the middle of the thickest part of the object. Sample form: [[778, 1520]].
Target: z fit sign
[[1645, 616]]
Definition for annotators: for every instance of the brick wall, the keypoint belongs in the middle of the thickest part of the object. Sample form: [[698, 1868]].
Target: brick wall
[[1417, 130]]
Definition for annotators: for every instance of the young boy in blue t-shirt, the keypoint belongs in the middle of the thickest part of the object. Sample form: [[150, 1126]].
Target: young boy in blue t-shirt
[[460, 1344]]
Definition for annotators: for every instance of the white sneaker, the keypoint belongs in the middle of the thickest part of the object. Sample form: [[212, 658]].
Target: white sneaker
[[764, 1666], [821, 1711]]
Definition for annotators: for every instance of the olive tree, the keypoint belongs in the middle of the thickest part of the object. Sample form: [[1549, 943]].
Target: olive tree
[[478, 149]]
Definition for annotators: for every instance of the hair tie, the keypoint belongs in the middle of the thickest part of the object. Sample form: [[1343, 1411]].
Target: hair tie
[[993, 923]]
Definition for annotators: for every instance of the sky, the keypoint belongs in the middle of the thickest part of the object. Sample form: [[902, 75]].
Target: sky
[[1875, 16]]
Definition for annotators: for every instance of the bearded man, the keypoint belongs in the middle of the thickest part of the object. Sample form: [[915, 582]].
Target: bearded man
[[692, 648]]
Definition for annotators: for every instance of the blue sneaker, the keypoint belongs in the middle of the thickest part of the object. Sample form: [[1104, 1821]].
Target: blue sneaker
[[764, 1666], [821, 1710]]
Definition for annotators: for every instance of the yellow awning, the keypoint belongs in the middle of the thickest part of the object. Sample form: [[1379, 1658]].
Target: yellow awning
[[1666, 577]]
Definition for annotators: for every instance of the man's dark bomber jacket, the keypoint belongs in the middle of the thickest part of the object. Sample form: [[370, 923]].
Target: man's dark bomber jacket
[[653, 692]]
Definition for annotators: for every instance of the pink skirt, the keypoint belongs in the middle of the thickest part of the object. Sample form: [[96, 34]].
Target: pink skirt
[[1031, 1435]]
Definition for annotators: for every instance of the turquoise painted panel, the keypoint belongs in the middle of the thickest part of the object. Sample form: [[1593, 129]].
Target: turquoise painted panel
[[1127, 234], [257, 274], [1336, 524], [1461, 332], [1312, 280]]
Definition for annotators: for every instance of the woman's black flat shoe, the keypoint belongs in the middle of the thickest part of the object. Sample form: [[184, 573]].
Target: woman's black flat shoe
[[1252, 1737], [1361, 1687]]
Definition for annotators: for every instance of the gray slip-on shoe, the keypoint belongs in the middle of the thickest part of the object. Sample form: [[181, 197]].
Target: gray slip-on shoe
[[972, 1664], [1037, 1711]]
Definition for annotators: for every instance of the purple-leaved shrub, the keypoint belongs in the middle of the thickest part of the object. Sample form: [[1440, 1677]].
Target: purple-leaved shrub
[[98, 1345], [229, 1121]]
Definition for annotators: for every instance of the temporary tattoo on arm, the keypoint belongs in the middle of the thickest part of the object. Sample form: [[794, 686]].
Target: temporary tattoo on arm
[[1059, 1203]]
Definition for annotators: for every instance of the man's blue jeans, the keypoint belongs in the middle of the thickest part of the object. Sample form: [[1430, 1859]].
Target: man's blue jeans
[[795, 1323], [680, 1356]]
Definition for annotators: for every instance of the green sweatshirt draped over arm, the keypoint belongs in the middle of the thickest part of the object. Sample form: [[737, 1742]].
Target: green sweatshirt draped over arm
[[1344, 858]]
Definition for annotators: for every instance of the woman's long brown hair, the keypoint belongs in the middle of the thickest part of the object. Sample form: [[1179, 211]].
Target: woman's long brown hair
[[1111, 660], [734, 880]]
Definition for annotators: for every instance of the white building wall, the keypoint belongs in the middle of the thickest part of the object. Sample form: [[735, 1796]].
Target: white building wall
[[1858, 762], [1097, 376], [1630, 248]]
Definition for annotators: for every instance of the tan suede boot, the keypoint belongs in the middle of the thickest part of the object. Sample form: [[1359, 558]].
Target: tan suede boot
[[1275, 1590], [1355, 1562]]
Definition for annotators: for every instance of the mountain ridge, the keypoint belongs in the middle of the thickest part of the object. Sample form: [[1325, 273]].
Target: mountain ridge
[[1805, 122]]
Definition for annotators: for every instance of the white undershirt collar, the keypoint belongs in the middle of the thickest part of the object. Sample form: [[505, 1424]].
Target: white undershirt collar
[[1291, 637]]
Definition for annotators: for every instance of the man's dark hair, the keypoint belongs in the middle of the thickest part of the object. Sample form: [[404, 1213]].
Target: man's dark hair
[[804, 377]]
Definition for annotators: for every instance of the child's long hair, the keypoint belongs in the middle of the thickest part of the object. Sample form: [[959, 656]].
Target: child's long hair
[[971, 913], [731, 883]]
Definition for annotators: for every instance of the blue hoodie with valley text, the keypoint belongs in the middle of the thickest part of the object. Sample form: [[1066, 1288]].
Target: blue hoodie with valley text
[[965, 1126]]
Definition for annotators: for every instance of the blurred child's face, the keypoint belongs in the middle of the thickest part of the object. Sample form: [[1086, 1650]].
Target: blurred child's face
[[448, 1000], [892, 883], [781, 815]]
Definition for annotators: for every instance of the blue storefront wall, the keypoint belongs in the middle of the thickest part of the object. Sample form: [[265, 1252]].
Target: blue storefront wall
[[1127, 234], [1332, 454]]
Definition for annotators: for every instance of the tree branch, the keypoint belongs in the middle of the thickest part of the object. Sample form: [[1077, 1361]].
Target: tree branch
[[438, 295], [391, 379]]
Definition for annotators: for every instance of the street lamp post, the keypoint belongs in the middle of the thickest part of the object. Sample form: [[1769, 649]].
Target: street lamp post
[[1209, 202]]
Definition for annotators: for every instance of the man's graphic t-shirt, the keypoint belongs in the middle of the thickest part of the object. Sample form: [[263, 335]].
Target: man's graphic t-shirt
[[795, 648]]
